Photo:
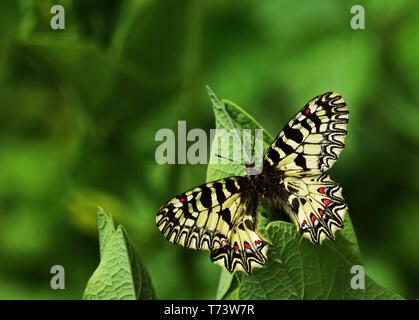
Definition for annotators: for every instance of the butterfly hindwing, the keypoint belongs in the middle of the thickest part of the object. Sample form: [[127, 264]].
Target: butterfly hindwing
[[312, 140], [316, 206], [218, 216], [245, 250]]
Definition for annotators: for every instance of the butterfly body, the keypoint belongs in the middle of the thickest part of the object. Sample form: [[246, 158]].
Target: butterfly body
[[220, 216]]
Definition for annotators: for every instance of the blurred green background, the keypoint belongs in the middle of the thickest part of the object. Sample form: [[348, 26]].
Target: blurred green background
[[80, 108]]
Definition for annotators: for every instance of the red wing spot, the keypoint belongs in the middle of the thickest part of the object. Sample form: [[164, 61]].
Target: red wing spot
[[247, 246], [306, 111], [326, 202], [304, 224], [258, 243], [313, 218], [236, 248], [321, 212], [182, 199], [321, 190]]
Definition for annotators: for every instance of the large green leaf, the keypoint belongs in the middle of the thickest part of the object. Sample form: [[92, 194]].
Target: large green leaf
[[296, 268], [120, 275]]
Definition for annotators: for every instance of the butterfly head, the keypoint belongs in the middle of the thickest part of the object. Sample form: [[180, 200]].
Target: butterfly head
[[252, 169], [250, 166]]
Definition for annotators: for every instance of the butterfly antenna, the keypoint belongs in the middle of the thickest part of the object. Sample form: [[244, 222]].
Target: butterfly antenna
[[222, 157]]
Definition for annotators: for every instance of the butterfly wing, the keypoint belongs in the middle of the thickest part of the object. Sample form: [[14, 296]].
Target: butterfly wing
[[245, 249], [316, 206], [312, 140], [307, 147], [218, 216]]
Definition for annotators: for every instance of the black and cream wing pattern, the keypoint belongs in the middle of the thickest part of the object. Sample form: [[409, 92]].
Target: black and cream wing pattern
[[220, 216]]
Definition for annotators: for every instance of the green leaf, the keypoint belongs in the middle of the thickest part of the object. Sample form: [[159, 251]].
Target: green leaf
[[147, 290], [296, 268], [106, 229], [224, 284], [120, 275], [230, 117]]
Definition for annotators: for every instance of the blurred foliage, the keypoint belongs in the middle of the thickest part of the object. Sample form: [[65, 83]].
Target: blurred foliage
[[80, 108]]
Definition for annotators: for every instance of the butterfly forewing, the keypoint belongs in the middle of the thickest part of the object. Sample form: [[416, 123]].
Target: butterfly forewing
[[312, 140]]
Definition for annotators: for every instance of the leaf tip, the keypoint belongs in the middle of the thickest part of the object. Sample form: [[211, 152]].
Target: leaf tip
[[100, 211], [216, 103]]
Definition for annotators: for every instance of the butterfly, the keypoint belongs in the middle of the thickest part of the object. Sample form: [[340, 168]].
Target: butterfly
[[220, 216]]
